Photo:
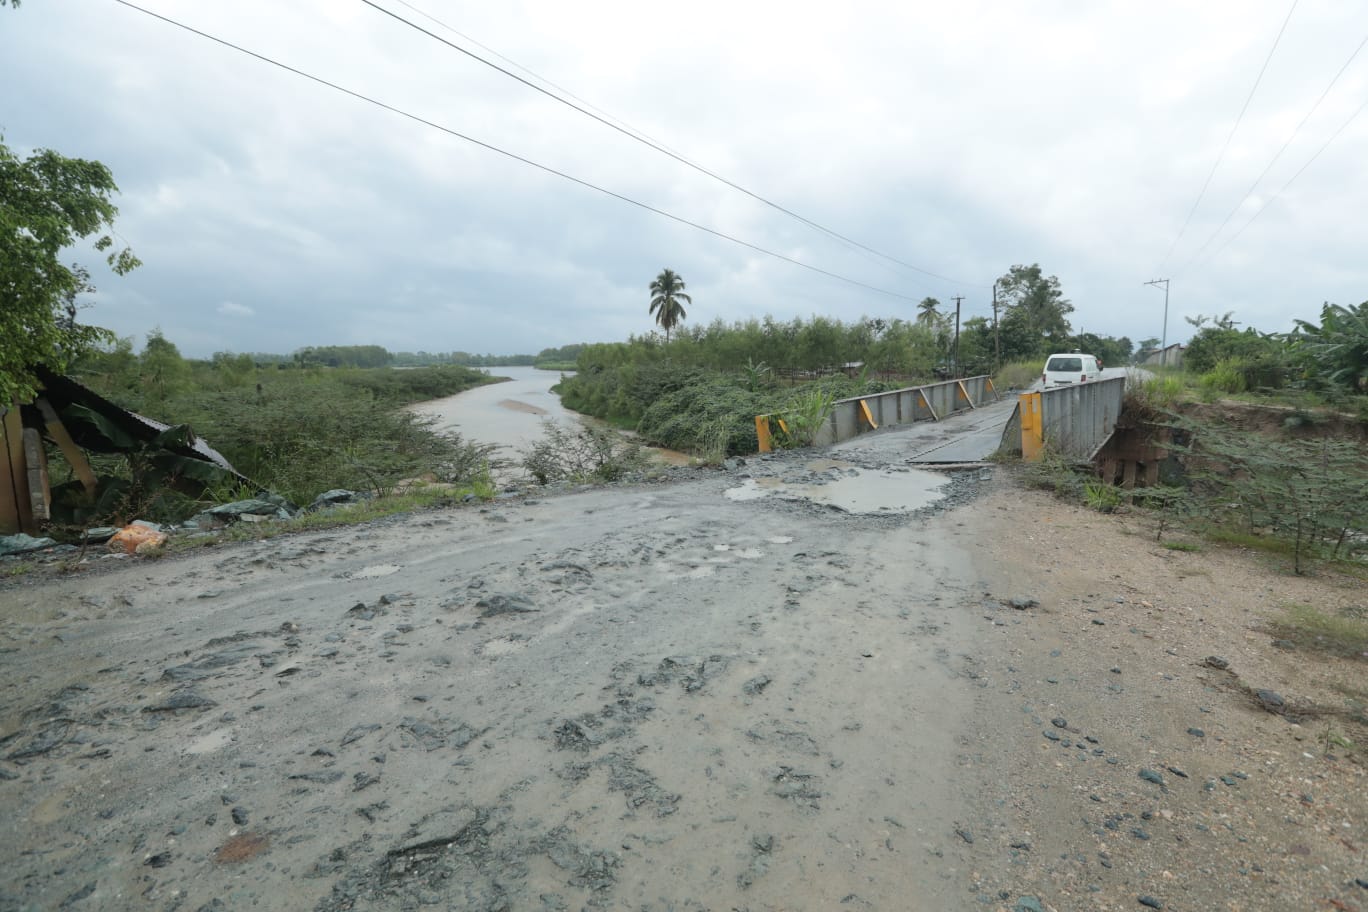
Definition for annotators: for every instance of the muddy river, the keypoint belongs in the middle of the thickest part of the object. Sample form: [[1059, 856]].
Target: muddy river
[[510, 415]]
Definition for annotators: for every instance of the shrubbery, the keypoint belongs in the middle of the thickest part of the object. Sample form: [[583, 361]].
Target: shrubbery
[[705, 411], [693, 409], [1311, 493], [582, 454], [296, 431], [1261, 361]]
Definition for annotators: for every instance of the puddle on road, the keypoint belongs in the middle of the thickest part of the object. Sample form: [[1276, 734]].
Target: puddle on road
[[743, 553], [375, 571], [850, 489]]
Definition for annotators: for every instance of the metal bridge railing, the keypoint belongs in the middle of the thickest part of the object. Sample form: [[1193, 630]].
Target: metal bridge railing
[[1073, 420], [861, 414]]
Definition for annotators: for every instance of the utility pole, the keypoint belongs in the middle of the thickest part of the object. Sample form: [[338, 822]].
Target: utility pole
[[997, 340], [1163, 345], [958, 298]]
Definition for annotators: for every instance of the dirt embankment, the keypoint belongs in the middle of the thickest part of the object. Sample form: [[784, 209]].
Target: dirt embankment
[[666, 698]]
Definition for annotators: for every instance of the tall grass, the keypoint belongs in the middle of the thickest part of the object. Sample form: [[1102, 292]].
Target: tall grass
[[1018, 374], [805, 415]]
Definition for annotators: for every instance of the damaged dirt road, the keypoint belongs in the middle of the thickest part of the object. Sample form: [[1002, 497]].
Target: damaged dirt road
[[696, 696]]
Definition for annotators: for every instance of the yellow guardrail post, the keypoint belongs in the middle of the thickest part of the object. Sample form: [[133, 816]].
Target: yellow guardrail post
[[921, 393], [762, 433], [864, 410], [1032, 430], [964, 394]]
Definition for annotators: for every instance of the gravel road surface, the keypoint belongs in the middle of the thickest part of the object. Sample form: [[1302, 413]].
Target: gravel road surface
[[757, 689]]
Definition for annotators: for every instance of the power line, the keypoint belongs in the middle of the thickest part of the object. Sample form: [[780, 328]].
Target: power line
[[882, 261], [1276, 157], [526, 161], [537, 76], [1269, 201], [646, 141], [1225, 147]]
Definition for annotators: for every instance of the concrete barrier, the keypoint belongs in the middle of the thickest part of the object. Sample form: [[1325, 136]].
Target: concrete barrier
[[1073, 421], [862, 414]]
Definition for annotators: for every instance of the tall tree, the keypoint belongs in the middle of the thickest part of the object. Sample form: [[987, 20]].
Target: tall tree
[[163, 371], [667, 291], [1038, 303], [928, 313], [47, 203]]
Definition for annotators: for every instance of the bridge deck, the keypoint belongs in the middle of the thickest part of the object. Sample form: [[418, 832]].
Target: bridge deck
[[970, 436]]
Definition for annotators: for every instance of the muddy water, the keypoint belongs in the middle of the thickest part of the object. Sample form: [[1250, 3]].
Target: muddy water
[[510, 415], [845, 487]]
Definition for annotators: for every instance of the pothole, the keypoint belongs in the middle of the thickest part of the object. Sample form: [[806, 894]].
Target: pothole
[[375, 571], [850, 489]]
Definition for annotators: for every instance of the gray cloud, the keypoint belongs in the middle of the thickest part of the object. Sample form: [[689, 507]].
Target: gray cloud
[[233, 309], [962, 138]]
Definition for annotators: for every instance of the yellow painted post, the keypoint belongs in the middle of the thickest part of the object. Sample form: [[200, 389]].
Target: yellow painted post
[[964, 394], [762, 433], [864, 409], [1032, 431], [927, 402]]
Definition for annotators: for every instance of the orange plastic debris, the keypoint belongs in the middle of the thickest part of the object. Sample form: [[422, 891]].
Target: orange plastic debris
[[136, 539]]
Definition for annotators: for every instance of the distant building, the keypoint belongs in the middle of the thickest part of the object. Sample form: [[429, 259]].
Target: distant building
[[1167, 357]]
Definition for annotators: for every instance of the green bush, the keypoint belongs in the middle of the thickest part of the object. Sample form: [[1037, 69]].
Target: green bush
[[1261, 360], [297, 431], [1157, 394], [703, 415], [585, 454], [1101, 496], [805, 415], [1228, 376], [302, 440]]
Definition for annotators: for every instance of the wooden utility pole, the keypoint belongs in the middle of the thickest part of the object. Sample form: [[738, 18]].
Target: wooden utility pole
[[958, 298]]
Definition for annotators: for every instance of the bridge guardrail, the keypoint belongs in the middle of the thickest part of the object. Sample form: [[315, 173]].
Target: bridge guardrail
[[861, 414], [1074, 421]]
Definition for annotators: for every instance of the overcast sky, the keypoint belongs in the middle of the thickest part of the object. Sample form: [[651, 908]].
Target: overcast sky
[[273, 213]]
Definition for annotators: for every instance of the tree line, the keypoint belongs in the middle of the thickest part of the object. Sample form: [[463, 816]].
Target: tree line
[[1034, 322]]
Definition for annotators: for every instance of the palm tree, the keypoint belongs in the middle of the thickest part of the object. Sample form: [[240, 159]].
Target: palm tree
[[929, 316], [667, 291]]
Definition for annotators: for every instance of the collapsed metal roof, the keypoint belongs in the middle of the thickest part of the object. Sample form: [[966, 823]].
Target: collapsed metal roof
[[61, 392]]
